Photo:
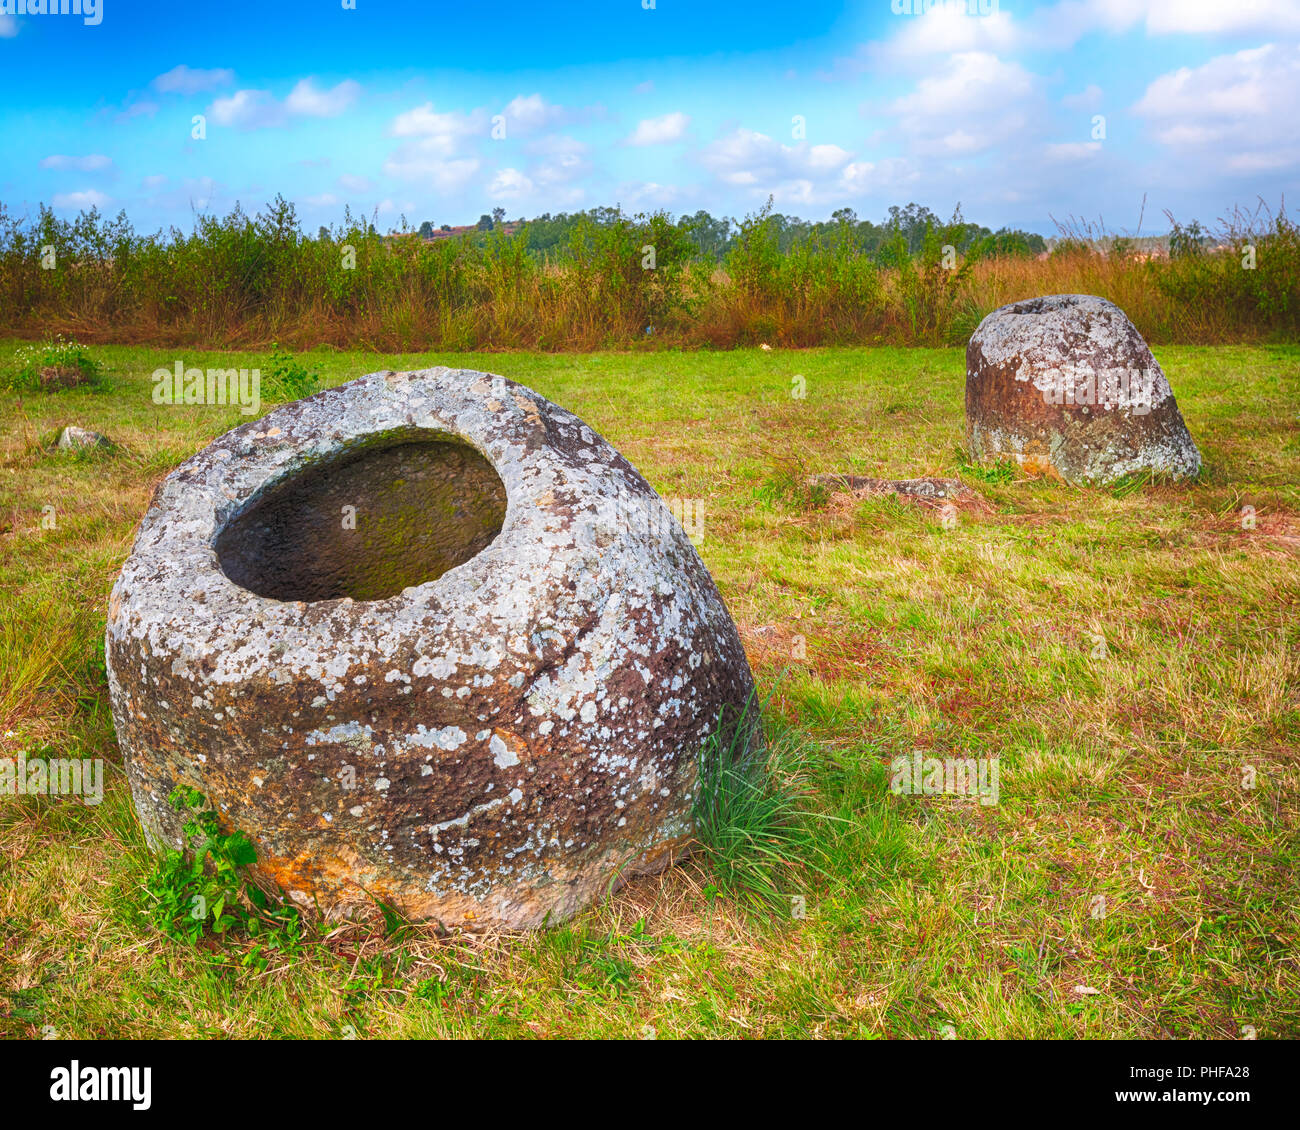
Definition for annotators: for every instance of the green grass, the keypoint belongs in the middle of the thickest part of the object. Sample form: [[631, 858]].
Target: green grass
[[1127, 654]]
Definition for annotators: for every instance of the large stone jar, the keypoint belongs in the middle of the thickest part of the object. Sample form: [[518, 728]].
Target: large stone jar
[[426, 638]]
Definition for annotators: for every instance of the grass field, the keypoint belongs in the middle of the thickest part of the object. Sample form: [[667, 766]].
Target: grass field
[[1130, 655]]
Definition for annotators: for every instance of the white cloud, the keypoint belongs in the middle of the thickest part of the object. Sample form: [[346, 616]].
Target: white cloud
[[155, 181], [8, 27], [649, 194], [973, 103], [945, 31], [646, 87], [187, 80], [88, 198], [325, 200], [802, 174], [1225, 89], [247, 110], [1218, 17], [419, 161], [948, 30], [257, 109], [94, 162], [531, 113], [356, 184], [561, 159], [1234, 112], [661, 130], [438, 154], [452, 126], [509, 184], [865, 178], [307, 100]]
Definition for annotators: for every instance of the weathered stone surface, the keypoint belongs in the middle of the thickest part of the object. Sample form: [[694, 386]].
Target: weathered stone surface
[[1065, 386], [928, 487], [514, 658], [73, 438]]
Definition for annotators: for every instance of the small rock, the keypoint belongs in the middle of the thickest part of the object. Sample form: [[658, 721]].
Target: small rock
[[73, 438]]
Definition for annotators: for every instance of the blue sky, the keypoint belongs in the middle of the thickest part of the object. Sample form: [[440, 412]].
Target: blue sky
[[442, 112]]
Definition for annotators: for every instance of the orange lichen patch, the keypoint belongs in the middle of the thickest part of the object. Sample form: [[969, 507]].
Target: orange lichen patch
[[303, 871], [1037, 463], [516, 749]]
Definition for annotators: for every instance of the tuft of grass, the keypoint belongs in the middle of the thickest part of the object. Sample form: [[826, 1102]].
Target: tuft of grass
[[751, 814], [995, 474]]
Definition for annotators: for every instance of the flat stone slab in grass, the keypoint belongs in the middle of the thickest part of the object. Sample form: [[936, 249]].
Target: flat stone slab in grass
[[427, 636], [927, 487], [1065, 386]]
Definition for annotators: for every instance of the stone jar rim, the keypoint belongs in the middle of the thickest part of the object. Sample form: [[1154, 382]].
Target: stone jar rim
[[173, 582]]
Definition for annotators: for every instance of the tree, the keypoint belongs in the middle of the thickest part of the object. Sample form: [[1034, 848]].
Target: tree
[[1185, 240], [711, 236], [484, 222], [426, 229], [912, 223], [498, 216], [323, 234]]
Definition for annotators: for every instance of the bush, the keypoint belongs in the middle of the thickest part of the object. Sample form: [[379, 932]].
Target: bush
[[50, 366], [285, 378]]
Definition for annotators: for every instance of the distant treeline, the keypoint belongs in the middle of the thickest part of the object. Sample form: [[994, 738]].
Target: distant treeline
[[902, 232], [603, 278]]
